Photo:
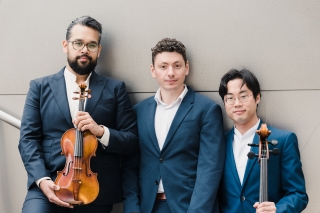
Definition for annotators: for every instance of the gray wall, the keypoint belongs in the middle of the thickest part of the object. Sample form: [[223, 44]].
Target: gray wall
[[277, 40]]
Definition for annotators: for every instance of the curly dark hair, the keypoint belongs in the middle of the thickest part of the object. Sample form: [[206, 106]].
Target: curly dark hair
[[169, 45]]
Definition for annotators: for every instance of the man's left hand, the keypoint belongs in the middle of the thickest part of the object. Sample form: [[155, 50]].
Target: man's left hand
[[84, 122], [265, 207]]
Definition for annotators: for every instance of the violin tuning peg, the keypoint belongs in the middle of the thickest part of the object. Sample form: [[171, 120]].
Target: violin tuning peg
[[253, 144], [275, 151], [89, 91], [74, 98], [273, 142], [251, 155], [76, 92]]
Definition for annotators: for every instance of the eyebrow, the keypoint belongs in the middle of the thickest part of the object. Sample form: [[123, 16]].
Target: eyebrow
[[242, 91], [83, 42]]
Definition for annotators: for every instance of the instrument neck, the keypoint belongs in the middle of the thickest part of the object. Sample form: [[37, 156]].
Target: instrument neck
[[78, 149], [263, 193]]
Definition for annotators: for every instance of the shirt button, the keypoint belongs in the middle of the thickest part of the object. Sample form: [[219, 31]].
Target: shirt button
[[156, 182], [243, 198], [161, 160]]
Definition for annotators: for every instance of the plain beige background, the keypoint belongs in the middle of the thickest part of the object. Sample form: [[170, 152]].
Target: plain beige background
[[277, 40]]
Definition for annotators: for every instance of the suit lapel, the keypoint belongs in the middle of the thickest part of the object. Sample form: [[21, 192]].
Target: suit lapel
[[58, 87], [251, 162], [184, 108], [96, 85], [150, 114], [230, 157]]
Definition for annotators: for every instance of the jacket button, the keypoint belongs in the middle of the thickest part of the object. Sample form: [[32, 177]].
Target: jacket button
[[161, 160], [156, 182], [243, 198]]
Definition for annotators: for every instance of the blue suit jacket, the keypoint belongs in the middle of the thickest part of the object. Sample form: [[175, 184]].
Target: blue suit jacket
[[286, 184], [190, 162], [47, 116]]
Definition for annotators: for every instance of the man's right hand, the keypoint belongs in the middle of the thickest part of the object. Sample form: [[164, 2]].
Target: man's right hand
[[48, 187]]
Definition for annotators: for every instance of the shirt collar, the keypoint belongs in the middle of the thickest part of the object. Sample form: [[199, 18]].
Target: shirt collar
[[69, 75], [157, 97], [248, 133]]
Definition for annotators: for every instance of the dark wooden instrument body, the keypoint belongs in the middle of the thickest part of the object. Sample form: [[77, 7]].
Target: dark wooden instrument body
[[78, 184]]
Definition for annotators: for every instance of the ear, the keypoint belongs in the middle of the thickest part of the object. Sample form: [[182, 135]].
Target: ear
[[99, 50], [65, 46], [187, 68], [153, 73], [258, 98]]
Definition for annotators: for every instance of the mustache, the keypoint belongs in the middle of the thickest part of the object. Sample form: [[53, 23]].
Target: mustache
[[84, 55]]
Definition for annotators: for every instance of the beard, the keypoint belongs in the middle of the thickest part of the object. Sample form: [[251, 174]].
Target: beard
[[82, 68]]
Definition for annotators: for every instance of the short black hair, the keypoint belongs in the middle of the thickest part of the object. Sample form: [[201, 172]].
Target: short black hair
[[247, 77], [169, 45], [85, 21]]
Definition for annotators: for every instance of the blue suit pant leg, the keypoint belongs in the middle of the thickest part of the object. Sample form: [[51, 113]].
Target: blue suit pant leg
[[37, 202], [161, 206]]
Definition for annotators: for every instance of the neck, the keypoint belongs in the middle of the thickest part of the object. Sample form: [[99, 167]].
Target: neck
[[79, 78], [168, 97], [243, 128]]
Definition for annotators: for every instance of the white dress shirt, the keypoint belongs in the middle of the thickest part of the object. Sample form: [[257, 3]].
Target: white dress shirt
[[241, 148], [163, 118], [71, 87]]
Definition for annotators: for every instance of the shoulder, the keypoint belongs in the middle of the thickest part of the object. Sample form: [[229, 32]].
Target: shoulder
[[43, 81], [200, 99], [281, 134], [142, 104], [111, 81]]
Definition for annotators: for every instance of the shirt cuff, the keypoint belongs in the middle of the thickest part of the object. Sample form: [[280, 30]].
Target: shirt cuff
[[41, 179], [104, 140]]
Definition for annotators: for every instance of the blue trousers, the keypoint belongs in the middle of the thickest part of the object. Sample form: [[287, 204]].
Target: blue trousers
[[37, 202]]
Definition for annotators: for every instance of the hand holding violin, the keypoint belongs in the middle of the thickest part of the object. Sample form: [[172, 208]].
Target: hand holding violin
[[48, 187], [84, 122], [267, 207]]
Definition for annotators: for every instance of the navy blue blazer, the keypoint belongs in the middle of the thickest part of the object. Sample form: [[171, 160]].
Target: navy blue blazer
[[190, 162], [286, 184], [46, 117]]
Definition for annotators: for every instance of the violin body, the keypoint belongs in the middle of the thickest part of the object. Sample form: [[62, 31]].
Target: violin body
[[78, 184]]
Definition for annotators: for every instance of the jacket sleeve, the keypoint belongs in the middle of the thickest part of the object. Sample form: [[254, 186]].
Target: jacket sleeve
[[30, 137], [295, 198], [123, 138], [210, 162]]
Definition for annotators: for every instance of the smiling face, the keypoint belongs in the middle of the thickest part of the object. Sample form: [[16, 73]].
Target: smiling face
[[244, 114], [81, 61], [170, 70]]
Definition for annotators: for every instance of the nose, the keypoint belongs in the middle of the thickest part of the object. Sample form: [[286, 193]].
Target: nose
[[237, 102], [170, 71], [85, 49]]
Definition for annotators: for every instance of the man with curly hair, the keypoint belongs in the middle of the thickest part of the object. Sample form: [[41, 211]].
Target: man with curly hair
[[181, 141]]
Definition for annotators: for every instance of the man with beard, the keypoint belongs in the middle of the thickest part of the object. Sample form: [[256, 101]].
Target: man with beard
[[49, 111]]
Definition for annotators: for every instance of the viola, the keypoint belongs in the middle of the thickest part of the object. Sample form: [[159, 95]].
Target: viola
[[263, 157], [78, 184]]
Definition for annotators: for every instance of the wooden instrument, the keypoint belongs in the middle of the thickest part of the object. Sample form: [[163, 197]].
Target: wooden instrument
[[78, 184], [263, 156]]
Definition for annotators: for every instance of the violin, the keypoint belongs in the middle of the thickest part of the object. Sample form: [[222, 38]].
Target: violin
[[263, 157], [78, 184]]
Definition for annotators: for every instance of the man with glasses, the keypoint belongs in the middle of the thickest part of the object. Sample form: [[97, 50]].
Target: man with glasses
[[239, 188], [50, 111]]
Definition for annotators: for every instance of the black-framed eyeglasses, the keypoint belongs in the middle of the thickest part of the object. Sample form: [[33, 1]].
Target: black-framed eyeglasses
[[79, 45], [242, 99]]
